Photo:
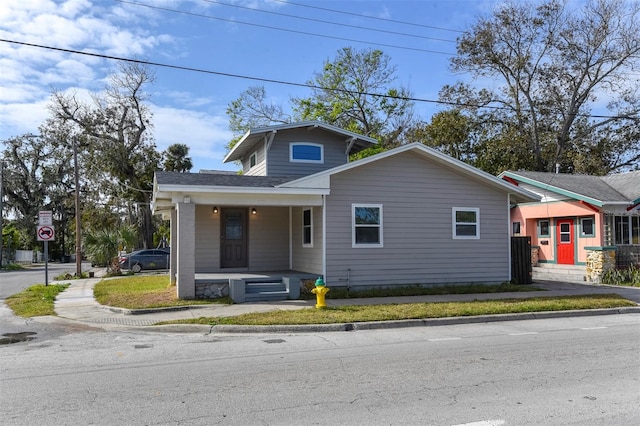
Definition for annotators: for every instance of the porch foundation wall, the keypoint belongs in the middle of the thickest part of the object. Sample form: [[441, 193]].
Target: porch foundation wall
[[206, 290]]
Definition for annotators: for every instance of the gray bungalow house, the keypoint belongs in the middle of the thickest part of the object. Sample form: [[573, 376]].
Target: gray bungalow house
[[411, 215]]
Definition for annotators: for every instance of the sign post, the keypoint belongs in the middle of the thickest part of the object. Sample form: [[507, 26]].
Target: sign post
[[46, 233]]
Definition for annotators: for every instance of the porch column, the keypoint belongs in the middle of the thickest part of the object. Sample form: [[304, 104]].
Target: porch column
[[599, 261], [186, 253], [173, 245]]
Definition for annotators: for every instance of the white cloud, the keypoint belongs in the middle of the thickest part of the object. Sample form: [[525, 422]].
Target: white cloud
[[205, 135], [20, 118]]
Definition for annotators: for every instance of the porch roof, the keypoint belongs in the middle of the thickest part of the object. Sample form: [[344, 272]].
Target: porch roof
[[170, 188]]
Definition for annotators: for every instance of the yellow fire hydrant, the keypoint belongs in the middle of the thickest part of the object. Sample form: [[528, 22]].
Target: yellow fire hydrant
[[320, 290]]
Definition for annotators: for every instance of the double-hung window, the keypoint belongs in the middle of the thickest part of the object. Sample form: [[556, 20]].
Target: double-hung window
[[367, 225], [466, 223], [307, 227]]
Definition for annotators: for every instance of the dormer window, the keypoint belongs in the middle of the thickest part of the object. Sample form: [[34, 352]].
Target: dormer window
[[304, 152]]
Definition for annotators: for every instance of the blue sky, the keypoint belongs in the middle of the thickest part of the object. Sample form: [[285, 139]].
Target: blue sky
[[265, 39]]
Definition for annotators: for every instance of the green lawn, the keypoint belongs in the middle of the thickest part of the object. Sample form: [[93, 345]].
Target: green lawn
[[137, 292], [350, 314], [35, 301], [142, 291]]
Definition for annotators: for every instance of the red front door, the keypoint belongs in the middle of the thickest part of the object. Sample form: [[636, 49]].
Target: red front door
[[564, 241]]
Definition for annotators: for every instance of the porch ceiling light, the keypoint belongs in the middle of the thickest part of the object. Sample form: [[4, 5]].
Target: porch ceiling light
[[215, 209], [253, 210]]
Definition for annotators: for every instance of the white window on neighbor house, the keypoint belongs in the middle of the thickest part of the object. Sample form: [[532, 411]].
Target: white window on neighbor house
[[253, 160], [305, 152], [466, 223], [587, 227], [366, 225], [307, 227]]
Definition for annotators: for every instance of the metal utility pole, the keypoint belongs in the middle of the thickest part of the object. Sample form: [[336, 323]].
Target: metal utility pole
[[77, 205]]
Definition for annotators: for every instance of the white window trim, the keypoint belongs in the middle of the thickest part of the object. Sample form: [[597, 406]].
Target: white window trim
[[254, 155], [292, 160], [454, 210], [353, 226], [310, 209]]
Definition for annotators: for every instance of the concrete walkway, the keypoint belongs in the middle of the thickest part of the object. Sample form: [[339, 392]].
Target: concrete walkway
[[77, 303]]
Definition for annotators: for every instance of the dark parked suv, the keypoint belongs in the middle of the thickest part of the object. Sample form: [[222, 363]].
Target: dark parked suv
[[145, 259]]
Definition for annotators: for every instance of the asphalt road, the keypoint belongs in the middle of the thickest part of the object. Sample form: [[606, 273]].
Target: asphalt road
[[12, 282], [568, 371]]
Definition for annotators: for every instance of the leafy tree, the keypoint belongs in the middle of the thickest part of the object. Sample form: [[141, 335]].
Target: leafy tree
[[450, 132], [251, 110], [24, 188], [176, 158], [355, 92], [120, 153], [551, 65]]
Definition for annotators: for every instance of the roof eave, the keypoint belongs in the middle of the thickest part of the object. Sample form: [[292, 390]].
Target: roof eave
[[552, 188]]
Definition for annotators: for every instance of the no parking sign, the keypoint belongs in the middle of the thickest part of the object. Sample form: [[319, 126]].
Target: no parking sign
[[46, 233]]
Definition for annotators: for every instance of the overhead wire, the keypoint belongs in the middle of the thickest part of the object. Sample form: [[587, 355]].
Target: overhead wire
[[201, 15], [269, 80], [322, 21], [287, 2]]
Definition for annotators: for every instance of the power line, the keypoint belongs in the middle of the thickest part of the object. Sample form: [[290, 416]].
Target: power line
[[237, 6], [199, 15], [365, 16], [282, 82]]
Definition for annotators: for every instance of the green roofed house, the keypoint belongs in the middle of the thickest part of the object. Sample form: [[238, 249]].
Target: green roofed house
[[302, 210], [582, 226]]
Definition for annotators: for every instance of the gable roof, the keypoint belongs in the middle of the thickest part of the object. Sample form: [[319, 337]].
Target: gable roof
[[321, 179], [253, 136], [623, 188]]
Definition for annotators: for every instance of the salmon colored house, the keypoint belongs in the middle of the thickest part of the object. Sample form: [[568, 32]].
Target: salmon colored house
[[587, 221]]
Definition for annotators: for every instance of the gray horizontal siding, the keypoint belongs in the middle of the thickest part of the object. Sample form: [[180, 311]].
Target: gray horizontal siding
[[278, 163], [269, 239], [417, 197], [260, 169], [207, 239], [307, 259]]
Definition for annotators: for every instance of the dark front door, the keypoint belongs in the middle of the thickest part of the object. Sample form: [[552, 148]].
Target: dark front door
[[233, 244], [565, 242]]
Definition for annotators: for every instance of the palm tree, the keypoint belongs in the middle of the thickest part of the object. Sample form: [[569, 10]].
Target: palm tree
[[103, 245], [176, 158]]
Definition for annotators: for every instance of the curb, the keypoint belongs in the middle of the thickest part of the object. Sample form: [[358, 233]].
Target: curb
[[430, 322]]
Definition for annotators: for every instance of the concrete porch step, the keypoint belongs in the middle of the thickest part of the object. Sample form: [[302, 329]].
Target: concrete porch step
[[265, 291], [561, 273]]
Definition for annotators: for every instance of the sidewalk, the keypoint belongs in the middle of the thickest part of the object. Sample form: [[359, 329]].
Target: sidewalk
[[77, 303]]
